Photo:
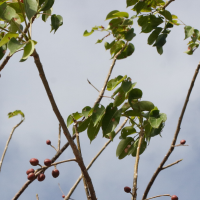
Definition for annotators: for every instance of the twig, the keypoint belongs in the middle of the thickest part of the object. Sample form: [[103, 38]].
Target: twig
[[92, 85], [175, 136], [59, 135], [61, 189], [5, 62], [57, 163], [63, 125], [172, 164], [37, 197], [7, 143], [92, 161], [101, 93], [4, 29], [53, 147], [179, 145], [56, 156], [167, 4], [79, 148], [158, 196]]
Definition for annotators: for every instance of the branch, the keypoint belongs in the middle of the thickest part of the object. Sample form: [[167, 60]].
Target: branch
[[59, 135], [93, 160], [167, 4], [175, 135], [37, 197], [5, 62], [172, 164], [101, 93], [63, 125], [7, 143], [56, 156], [158, 196]]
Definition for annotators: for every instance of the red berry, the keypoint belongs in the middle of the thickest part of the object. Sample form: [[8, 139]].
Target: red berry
[[63, 196], [34, 161], [41, 177], [31, 176], [174, 197], [182, 141], [48, 142], [47, 162], [30, 171], [127, 189], [55, 173]]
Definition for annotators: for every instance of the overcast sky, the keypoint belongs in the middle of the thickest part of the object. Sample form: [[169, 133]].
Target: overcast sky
[[69, 59]]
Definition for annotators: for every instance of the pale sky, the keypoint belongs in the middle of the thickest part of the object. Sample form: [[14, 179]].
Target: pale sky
[[69, 59]]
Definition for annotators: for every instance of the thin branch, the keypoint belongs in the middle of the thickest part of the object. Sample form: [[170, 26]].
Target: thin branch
[[158, 196], [7, 143], [37, 197], [63, 125], [5, 62], [59, 135], [92, 161], [101, 93], [167, 4], [61, 189], [53, 147], [4, 29], [92, 85], [57, 163], [175, 135], [172, 164], [56, 156]]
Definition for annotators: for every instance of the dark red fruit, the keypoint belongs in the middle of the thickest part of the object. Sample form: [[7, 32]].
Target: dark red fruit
[[55, 173], [48, 142], [34, 161], [174, 197], [41, 177], [127, 189], [31, 176], [63, 196], [30, 171], [182, 141], [47, 162]]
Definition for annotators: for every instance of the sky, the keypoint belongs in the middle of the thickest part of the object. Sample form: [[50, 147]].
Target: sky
[[69, 59]]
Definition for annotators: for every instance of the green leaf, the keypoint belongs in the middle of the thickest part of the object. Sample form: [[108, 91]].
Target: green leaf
[[156, 119], [160, 50], [86, 33], [46, 14], [69, 120], [14, 45], [16, 112], [118, 45], [161, 40], [6, 12], [31, 7], [166, 14], [154, 35], [130, 35], [77, 115], [131, 2], [47, 5], [132, 113], [128, 51], [17, 7], [99, 41], [127, 22], [139, 6], [119, 99], [28, 49], [122, 145], [132, 86], [188, 31], [146, 105], [126, 85], [155, 21], [92, 130], [125, 107], [156, 131], [134, 94], [110, 14], [111, 135], [82, 126], [108, 46], [121, 14], [7, 37], [114, 82], [3, 51], [133, 149], [143, 20], [98, 113], [110, 119], [196, 35], [85, 111], [128, 130], [56, 22]]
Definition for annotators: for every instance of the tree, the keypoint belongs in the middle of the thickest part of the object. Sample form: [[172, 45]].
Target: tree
[[78, 107]]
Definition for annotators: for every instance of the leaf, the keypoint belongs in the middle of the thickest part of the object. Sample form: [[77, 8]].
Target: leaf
[[110, 119], [156, 119], [82, 126], [110, 14], [155, 21], [122, 145], [86, 33], [132, 113], [132, 86], [6, 12], [77, 115], [31, 7], [121, 14], [14, 45], [139, 6], [126, 85], [69, 120], [125, 107], [47, 5], [143, 20], [131, 2], [154, 35], [46, 14], [3, 51], [161, 40], [130, 35], [196, 35], [108, 46], [156, 131], [146, 105], [56, 22], [128, 130], [7, 37], [119, 99], [160, 50], [85, 111], [188, 31], [134, 94], [117, 47], [28, 49], [114, 82], [166, 14], [127, 22], [133, 150], [128, 51], [111, 135], [16, 112], [92, 130], [99, 41], [98, 113]]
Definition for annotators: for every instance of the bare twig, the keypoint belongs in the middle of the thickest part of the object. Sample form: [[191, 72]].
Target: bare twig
[[158, 196], [53, 147], [172, 164], [167, 4], [63, 125], [59, 135], [7, 143], [101, 93], [92, 161], [5, 61], [37, 197], [57, 163], [92, 85], [175, 136], [60, 189]]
